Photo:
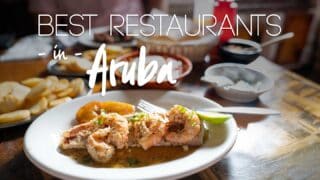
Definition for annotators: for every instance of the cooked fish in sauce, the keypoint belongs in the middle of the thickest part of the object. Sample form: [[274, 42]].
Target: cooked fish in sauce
[[132, 157], [132, 140]]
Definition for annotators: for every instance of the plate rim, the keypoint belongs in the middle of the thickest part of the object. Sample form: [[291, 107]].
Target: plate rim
[[59, 174]]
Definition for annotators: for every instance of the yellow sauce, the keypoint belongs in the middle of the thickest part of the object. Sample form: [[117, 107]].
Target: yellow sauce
[[132, 157]]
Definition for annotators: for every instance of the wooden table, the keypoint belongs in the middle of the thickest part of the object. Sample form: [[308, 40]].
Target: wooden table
[[286, 146]]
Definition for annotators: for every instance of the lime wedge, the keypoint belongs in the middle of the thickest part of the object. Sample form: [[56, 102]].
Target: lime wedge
[[213, 117]]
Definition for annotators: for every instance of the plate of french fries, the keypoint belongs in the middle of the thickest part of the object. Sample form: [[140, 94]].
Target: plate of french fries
[[21, 102]]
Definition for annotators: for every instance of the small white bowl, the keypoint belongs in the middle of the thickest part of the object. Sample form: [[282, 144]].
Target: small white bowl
[[220, 75]]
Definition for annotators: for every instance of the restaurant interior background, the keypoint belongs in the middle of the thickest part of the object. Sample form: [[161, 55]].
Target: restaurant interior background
[[282, 146], [300, 53]]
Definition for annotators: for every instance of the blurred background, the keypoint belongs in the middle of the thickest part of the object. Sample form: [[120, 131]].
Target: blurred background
[[301, 53]]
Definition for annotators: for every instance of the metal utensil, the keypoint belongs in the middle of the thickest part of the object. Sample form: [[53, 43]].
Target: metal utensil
[[273, 41], [148, 107], [278, 39], [244, 110]]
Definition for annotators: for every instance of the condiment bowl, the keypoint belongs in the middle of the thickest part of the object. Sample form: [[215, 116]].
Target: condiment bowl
[[240, 51], [236, 82]]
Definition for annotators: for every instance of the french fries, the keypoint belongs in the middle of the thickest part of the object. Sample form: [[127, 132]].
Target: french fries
[[13, 116], [33, 96], [58, 101], [77, 86], [62, 85], [12, 95], [65, 93], [39, 91], [51, 97], [39, 107], [31, 82]]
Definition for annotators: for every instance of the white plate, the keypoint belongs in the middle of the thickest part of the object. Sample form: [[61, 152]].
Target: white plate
[[42, 139], [87, 39]]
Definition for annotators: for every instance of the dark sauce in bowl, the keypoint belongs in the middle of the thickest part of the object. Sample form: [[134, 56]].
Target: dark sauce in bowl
[[240, 48], [239, 51]]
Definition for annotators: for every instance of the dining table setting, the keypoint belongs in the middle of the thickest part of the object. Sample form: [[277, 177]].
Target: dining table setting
[[275, 132], [134, 103], [159, 90]]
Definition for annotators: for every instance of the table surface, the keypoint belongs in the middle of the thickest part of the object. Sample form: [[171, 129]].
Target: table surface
[[286, 146]]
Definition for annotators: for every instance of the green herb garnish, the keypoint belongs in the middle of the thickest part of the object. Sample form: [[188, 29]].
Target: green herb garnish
[[99, 121], [182, 109], [193, 124], [132, 161], [138, 116], [192, 113], [86, 160]]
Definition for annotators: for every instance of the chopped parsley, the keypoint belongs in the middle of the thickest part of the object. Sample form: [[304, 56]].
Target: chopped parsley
[[86, 160], [193, 124], [182, 109], [138, 116], [132, 161], [99, 121], [192, 113]]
